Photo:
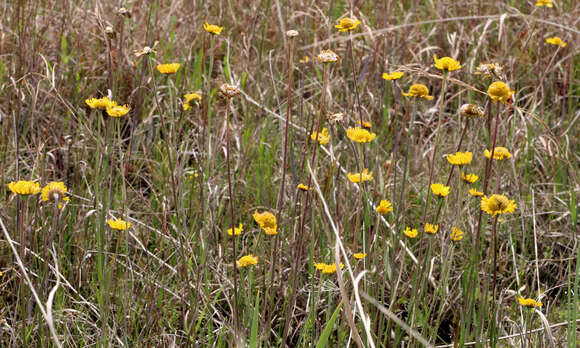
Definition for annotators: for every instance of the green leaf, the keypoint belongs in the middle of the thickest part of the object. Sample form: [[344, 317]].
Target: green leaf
[[323, 340], [254, 329]]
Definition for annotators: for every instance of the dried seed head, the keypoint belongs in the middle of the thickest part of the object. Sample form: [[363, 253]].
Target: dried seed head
[[471, 110], [336, 117], [110, 32], [490, 70], [124, 12], [328, 56], [229, 91], [292, 33]]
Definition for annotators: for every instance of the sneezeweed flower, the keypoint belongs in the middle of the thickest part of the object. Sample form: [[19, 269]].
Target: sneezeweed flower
[[529, 302], [322, 137], [304, 187], [319, 265], [267, 222], [384, 207], [499, 92], [456, 234], [98, 103], [431, 228], [115, 110], [328, 56], [330, 269], [471, 111], [360, 177], [410, 232], [168, 69], [360, 135], [475, 193], [212, 28], [469, 178], [248, 260], [446, 63], [490, 70], [359, 256], [118, 224], [556, 41], [55, 191], [499, 153], [460, 158], [24, 188], [229, 91], [364, 124], [497, 204], [347, 24], [547, 3], [237, 230], [440, 190], [395, 75], [189, 97], [418, 91], [304, 60]]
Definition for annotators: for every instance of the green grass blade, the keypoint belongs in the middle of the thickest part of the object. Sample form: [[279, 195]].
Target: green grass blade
[[323, 340]]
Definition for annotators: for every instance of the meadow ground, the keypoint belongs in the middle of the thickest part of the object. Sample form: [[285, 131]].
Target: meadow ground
[[391, 173]]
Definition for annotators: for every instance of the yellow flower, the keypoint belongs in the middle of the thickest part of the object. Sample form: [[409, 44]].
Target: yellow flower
[[418, 91], [359, 256], [304, 187], [556, 41], [247, 260], [469, 178], [168, 69], [456, 234], [323, 137], [319, 265], [24, 188], [212, 28], [529, 302], [54, 191], [267, 222], [460, 158], [475, 193], [410, 232], [395, 75], [189, 97], [364, 124], [360, 177], [305, 60], [499, 91], [330, 269], [440, 189], [98, 103], [499, 153], [431, 228], [384, 207], [347, 24], [547, 3], [237, 230], [360, 135], [115, 110], [118, 224], [471, 110], [446, 63], [328, 56], [497, 204]]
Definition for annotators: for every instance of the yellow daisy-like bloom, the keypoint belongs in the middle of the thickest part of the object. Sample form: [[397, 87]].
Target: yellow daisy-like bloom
[[431, 228], [330, 269], [212, 28], [24, 188], [469, 178], [384, 207], [360, 177], [347, 24], [529, 302], [410, 232], [237, 230], [418, 91], [446, 63], [364, 124], [499, 92], [247, 260], [497, 204], [456, 234], [319, 265], [304, 60], [475, 193], [304, 187], [547, 3], [189, 97], [499, 153], [322, 137], [359, 256], [395, 75], [115, 110], [471, 111], [440, 189], [460, 158], [360, 135], [118, 224], [267, 222], [98, 103], [168, 69], [556, 41], [328, 56], [55, 191]]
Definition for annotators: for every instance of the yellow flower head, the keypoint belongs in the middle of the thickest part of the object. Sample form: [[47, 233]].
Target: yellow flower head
[[469, 178], [24, 188], [304, 187], [267, 222], [319, 265], [475, 193], [410, 232], [330, 269], [499, 153], [359, 256], [322, 137], [364, 124], [384, 207], [360, 135], [247, 260], [499, 91], [547, 3], [360, 177], [431, 228], [189, 97], [347, 24], [328, 56], [54, 191], [446, 63], [529, 302], [440, 189], [556, 41], [115, 110], [98, 103], [395, 75], [456, 234], [118, 224], [418, 91], [460, 158], [237, 230], [497, 204], [471, 111], [212, 28], [168, 69], [304, 60]]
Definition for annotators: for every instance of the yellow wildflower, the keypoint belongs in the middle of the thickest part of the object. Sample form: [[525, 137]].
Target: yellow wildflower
[[118, 224], [328, 56], [384, 207], [98, 103], [475, 193], [305, 60], [547, 3], [247, 260], [364, 124], [418, 91], [456, 234], [395, 75], [497, 204], [237, 230], [24, 188], [189, 97], [556, 41], [168, 69], [212, 28], [499, 153], [347, 24], [323, 137], [319, 265], [499, 91], [410, 232], [267, 222], [446, 63], [460, 158], [469, 178], [431, 228], [440, 189], [359, 256], [360, 135], [529, 302], [304, 187], [360, 177], [330, 269], [115, 110], [54, 191]]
